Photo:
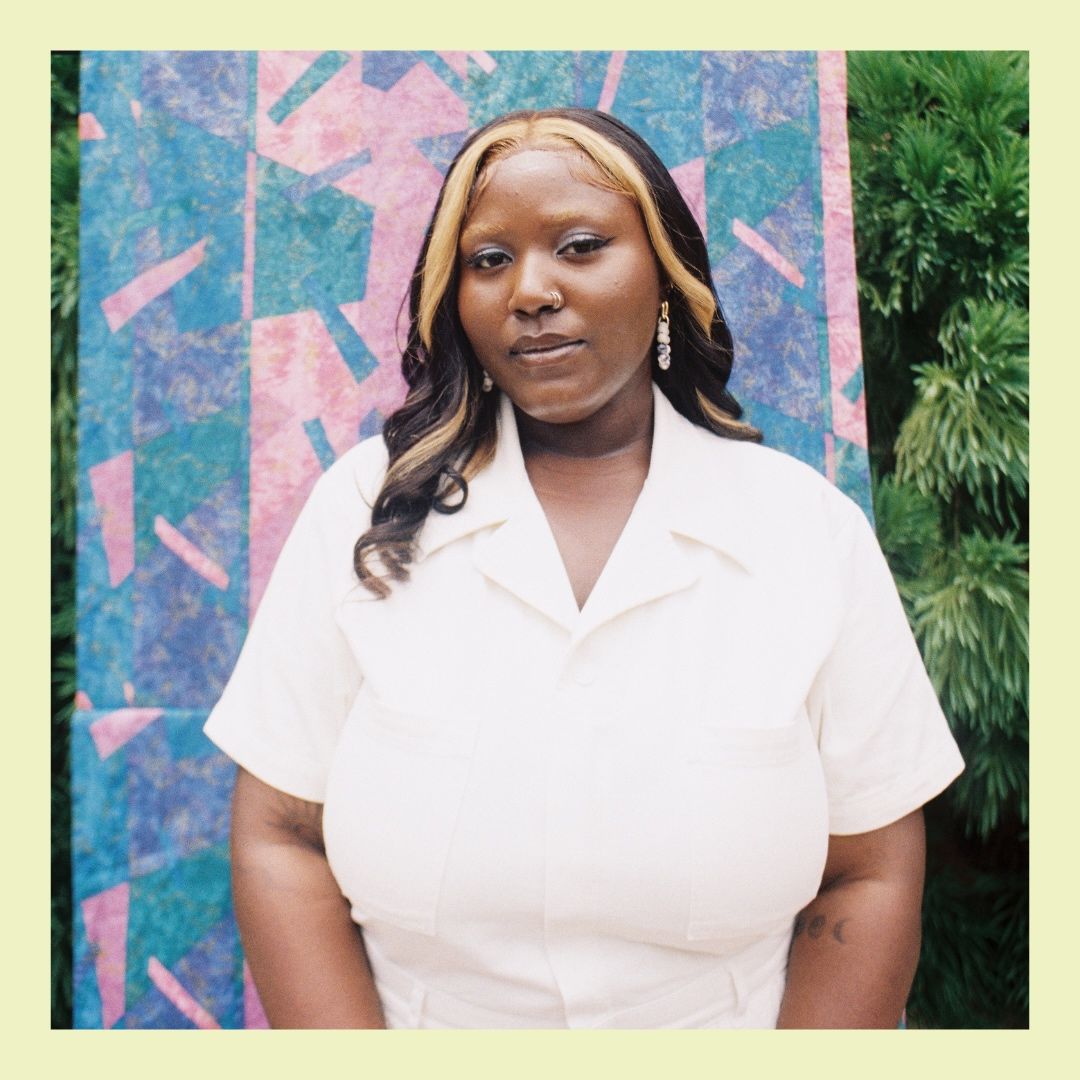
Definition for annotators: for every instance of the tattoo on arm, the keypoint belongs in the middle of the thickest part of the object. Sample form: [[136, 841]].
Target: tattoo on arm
[[816, 926]]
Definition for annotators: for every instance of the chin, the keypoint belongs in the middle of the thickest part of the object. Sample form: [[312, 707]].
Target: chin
[[555, 407]]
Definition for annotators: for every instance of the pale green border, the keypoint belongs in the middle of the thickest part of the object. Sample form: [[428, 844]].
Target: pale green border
[[553, 24]]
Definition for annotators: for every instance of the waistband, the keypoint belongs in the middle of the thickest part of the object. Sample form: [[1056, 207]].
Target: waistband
[[716, 999]]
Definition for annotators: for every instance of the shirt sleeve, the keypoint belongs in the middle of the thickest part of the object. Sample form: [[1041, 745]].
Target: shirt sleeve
[[885, 743], [296, 677]]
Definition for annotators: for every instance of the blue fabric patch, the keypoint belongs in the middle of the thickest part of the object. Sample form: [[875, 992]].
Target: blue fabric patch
[[383, 69], [208, 89], [316, 434]]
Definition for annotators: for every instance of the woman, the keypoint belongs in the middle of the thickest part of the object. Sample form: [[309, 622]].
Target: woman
[[568, 705]]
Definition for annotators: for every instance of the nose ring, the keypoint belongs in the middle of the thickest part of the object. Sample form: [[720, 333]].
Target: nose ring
[[556, 299]]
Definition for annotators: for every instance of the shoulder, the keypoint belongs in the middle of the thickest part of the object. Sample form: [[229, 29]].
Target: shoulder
[[774, 488], [356, 475], [338, 506]]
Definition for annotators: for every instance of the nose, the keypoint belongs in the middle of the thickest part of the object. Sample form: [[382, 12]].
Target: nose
[[533, 284]]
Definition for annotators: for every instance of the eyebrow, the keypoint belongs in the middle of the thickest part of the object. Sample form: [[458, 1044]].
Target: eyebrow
[[555, 221]]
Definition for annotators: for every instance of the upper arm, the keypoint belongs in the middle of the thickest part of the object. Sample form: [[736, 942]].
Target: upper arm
[[305, 952], [277, 851], [895, 854]]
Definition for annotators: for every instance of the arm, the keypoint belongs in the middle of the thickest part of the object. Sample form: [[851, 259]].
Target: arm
[[855, 947], [306, 954]]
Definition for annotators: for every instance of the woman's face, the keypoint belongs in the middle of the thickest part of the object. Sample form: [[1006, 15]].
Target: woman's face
[[539, 225]]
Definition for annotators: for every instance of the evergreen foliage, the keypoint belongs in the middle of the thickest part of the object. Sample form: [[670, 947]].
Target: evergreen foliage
[[940, 180], [65, 295]]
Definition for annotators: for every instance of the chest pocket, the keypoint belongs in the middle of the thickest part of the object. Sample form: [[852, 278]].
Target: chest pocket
[[760, 826], [393, 799]]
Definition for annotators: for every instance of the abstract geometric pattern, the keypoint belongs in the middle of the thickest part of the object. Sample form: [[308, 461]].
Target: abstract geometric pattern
[[249, 226]]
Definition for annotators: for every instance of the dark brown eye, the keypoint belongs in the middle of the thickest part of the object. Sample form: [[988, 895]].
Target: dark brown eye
[[487, 260], [582, 245]]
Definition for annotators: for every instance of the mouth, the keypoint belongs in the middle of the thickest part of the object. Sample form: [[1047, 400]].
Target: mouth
[[541, 349]]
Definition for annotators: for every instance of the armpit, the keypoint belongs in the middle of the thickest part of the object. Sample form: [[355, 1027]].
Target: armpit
[[282, 815]]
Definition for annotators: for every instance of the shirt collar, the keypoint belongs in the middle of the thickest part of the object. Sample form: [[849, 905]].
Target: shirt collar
[[701, 485], [697, 487]]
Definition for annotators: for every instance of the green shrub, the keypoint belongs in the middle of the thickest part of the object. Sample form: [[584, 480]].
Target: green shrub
[[940, 180]]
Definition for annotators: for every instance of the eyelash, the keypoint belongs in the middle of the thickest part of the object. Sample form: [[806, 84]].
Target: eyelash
[[590, 244]]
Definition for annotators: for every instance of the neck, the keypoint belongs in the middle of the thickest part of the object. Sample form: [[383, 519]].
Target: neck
[[622, 426]]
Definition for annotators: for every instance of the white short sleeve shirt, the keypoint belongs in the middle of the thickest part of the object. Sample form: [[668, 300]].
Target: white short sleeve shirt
[[546, 817]]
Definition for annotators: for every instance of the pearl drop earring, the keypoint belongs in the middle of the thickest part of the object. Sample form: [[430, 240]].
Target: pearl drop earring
[[663, 339]]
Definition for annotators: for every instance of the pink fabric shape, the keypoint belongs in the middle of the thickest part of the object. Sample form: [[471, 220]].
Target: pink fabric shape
[[327, 127], [118, 727], [346, 116], [418, 106], [841, 298], [758, 244], [105, 916], [136, 110], [82, 700], [402, 185], [129, 693], [611, 81], [247, 290], [113, 485], [458, 62], [399, 181], [277, 71], [297, 374], [89, 128], [170, 986], [690, 179], [186, 551], [254, 1015], [486, 61], [149, 285]]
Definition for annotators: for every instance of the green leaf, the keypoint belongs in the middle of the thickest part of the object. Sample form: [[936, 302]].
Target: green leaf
[[908, 528], [971, 622], [968, 427]]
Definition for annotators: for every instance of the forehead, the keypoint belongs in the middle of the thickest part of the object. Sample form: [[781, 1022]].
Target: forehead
[[541, 183]]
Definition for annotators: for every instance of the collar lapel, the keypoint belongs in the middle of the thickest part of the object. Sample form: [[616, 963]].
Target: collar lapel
[[697, 488], [705, 486], [646, 563], [520, 555], [693, 491]]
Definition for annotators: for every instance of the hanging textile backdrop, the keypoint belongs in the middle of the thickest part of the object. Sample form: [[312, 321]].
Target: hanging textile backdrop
[[249, 226]]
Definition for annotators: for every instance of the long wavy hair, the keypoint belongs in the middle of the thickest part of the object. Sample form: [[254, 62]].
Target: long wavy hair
[[445, 431]]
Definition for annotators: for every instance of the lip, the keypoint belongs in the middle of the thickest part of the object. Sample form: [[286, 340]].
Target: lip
[[543, 347]]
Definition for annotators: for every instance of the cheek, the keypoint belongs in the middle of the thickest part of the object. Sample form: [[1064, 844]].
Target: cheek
[[634, 296], [633, 308], [475, 317]]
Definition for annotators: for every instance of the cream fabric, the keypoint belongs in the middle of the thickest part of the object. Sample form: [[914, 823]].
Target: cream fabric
[[607, 818]]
